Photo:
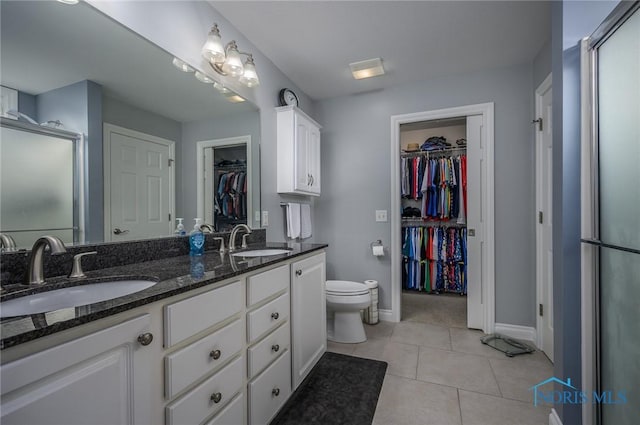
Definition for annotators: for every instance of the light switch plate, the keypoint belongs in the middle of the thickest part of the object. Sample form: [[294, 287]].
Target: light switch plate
[[265, 218], [381, 215]]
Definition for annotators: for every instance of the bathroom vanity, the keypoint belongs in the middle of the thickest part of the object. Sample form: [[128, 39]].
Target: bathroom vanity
[[225, 347]]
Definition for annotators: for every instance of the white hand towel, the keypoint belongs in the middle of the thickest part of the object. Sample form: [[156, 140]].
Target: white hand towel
[[293, 220], [305, 221]]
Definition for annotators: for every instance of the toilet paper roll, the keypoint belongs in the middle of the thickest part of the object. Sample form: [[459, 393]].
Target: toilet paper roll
[[371, 283], [378, 250]]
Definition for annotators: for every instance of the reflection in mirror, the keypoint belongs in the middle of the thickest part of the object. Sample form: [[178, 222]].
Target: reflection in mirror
[[140, 119]]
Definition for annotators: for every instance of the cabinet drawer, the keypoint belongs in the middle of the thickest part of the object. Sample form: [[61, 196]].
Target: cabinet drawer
[[270, 390], [267, 317], [198, 404], [233, 414], [265, 284], [194, 361], [264, 352], [188, 317]]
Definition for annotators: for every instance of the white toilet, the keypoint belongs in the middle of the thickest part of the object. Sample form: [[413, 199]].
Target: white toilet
[[345, 299]]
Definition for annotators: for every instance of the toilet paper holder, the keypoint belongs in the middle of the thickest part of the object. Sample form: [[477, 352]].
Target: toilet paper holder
[[376, 243], [377, 248]]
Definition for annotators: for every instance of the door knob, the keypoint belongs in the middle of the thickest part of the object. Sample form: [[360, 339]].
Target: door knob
[[216, 397], [275, 315], [275, 392], [215, 354], [275, 347], [298, 272], [145, 338], [118, 231]]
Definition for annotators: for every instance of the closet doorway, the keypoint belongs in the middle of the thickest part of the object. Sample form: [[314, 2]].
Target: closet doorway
[[466, 220]]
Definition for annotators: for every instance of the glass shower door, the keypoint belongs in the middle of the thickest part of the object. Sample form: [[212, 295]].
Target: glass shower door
[[618, 198]]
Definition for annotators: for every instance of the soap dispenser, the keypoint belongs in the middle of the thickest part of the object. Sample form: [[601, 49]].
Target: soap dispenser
[[180, 228], [196, 239]]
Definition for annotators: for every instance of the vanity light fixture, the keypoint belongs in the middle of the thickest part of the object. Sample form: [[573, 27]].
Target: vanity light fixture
[[227, 60], [367, 69], [204, 78], [222, 89], [235, 98], [182, 65]]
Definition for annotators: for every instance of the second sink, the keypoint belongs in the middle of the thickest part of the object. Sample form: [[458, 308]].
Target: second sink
[[72, 296]]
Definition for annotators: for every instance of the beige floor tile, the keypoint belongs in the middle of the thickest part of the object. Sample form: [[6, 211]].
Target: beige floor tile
[[516, 375], [444, 310], [408, 402], [336, 347], [379, 330], [481, 409], [402, 359], [460, 370], [423, 334]]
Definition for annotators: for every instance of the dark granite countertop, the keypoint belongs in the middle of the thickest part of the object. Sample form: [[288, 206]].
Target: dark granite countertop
[[175, 275]]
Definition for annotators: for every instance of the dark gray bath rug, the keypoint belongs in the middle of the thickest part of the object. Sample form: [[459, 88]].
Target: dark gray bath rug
[[340, 389]]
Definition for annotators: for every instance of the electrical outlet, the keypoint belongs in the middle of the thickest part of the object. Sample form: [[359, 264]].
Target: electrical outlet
[[381, 215], [265, 218], [256, 216]]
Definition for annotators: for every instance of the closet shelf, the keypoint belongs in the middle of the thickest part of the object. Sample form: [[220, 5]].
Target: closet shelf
[[420, 222]]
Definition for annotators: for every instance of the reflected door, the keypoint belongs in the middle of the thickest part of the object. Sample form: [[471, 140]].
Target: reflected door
[[618, 291], [140, 194]]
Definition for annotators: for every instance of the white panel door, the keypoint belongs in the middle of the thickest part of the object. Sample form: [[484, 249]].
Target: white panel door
[[475, 218], [140, 196]]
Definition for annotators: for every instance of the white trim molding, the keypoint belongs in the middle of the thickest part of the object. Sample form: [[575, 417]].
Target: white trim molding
[[524, 333], [488, 227], [385, 315], [200, 172]]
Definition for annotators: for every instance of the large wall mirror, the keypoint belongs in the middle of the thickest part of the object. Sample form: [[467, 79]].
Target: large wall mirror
[[143, 125]]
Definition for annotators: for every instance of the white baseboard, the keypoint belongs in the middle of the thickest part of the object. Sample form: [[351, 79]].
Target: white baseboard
[[554, 419], [526, 333], [385, 315]]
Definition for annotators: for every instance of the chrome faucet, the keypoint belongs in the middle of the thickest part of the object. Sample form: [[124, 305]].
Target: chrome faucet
[[35, 275], [206, 228], [7, 243], [234, 232]]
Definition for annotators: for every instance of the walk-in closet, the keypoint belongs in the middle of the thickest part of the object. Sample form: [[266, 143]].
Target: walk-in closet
[[433, 189], [228, 202]]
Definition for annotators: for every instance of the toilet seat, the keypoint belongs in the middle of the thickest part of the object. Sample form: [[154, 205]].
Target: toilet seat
[[345, 288]]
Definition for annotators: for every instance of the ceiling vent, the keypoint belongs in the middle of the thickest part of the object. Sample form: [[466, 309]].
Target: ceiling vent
[[367, 69]]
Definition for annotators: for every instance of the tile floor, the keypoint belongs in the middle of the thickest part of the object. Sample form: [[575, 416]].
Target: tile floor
[[440, 373]]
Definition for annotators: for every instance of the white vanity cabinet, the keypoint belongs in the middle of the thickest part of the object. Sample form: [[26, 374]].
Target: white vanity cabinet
[[101, 378], [298, 147], [268, 336], [308, 315], [204, 375]]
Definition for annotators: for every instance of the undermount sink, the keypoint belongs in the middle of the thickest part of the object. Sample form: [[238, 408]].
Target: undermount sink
[[261, 252], [72, 296]]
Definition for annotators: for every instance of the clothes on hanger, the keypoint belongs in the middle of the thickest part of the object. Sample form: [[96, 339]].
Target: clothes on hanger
[[231, 195], [435, 259]]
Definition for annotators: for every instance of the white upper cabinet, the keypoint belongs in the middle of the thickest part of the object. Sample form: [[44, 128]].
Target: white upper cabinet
[[298, 152]]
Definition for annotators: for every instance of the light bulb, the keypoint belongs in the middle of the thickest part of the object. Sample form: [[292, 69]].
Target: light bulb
[[233, 63], [212, 50], [250, 77]]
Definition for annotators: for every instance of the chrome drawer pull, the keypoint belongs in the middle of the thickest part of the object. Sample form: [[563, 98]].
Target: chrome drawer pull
[[216, 397], [275, 347], [275, 392], [275, 315], [215, 354], [145, 338]]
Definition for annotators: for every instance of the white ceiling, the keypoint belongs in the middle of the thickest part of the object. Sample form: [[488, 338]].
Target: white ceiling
[[313, 42]]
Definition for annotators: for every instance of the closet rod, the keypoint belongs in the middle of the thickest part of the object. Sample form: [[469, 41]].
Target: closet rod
[[433, 152]]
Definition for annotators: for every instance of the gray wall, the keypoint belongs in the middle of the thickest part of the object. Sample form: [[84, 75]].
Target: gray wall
[[27, 105], [181, 27], [79, 108], [222, 127], [356, 179], [542, 65], [571, 21]]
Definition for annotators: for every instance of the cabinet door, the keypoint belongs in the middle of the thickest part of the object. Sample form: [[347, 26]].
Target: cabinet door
[[301, 153], [102, 378], [309, 325], [313, 159]]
